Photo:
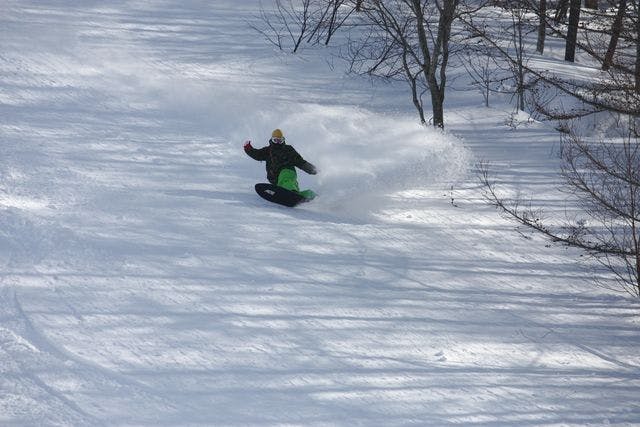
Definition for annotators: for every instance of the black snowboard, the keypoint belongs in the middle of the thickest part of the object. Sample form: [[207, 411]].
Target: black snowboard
[[279, 195]]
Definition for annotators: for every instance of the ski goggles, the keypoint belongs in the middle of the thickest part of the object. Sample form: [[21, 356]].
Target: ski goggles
[[277, 140]]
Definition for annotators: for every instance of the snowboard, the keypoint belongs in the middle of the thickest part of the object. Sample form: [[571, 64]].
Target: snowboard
[[279, 195]]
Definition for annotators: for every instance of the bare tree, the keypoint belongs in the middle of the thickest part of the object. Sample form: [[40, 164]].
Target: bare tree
[[519, 10], [408, 40], [637, 44], [605, 94], [616, 29], [483, 70], [288, 21], [604, 175], [332, 16], [333, 22], [572, 32], [610, 38], [609, 93], [294, 22], [506, 40], [542, 26]]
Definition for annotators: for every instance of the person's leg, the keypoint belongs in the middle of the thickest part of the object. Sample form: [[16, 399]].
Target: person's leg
[[288, 179]]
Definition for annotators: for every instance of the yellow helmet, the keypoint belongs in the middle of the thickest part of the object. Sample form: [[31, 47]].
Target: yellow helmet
[[277, 133]]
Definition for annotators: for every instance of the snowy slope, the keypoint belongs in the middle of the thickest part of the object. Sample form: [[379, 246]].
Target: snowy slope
[[143, 282]]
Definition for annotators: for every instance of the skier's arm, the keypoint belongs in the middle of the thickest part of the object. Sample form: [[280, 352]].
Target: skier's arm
[[303, 164], [254, 153], [308, 168]]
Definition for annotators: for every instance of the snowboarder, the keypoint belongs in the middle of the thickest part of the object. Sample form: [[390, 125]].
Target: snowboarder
[[282, 159]]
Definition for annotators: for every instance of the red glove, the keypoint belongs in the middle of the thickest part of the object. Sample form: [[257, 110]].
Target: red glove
[[247, 145]]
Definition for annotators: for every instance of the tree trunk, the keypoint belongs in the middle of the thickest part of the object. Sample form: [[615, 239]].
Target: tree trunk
[[432, 61], [572, 32], [637, 76], [438, 110], [429, 64], [616, 28], [413, 82], [519, 45], [543, 26]]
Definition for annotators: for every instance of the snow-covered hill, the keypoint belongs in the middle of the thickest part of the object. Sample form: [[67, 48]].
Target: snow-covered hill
[[143, 282]]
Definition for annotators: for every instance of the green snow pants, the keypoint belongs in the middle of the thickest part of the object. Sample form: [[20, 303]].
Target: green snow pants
[[289, 179]]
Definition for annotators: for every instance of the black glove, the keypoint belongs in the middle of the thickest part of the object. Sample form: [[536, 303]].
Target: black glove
[[309, 168]]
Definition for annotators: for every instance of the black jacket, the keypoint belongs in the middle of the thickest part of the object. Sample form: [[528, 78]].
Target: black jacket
[[278, 157]]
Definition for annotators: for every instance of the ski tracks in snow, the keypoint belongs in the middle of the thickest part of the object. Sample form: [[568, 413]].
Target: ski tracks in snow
[[42, 381], [25, 356]]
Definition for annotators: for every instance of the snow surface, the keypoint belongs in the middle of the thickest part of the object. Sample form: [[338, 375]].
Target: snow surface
[[143, 282]]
